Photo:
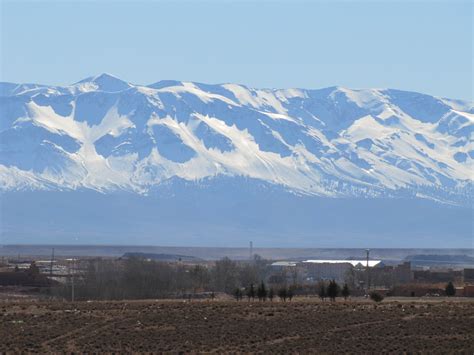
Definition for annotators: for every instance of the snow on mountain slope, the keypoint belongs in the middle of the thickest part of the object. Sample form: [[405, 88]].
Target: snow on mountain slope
[[105, 134]]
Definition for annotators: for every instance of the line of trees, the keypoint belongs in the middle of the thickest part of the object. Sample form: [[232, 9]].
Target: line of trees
[[263, 293], [138, 278]]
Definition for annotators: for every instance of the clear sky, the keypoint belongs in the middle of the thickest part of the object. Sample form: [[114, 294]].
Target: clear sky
[[422, 46]]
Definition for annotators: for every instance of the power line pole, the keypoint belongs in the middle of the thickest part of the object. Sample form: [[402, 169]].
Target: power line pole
[[367, 270], [251, 251], [72, 279], [52, 261]]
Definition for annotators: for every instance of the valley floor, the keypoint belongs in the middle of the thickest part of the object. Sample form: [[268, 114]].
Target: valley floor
[[303, 325]]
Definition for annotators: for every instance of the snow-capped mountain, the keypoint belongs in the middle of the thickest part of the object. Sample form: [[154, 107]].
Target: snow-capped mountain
[[105, 134], [181, 163]]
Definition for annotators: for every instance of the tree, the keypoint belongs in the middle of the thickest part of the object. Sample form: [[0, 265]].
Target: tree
[[33, 270], [282, 294], [290, 293], [251, 292], [345, 291], [322, 291], [450, 289], [238, 294], [225, 275], [271, 294], [376, 297], [333, 290], [262, 292]]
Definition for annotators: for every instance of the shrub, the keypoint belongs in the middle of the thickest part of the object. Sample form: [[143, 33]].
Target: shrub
[[376, 297]]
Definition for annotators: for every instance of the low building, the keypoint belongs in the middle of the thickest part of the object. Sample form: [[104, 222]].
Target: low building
[[286, 272], [438, 276], [391, 275], [468, 291]]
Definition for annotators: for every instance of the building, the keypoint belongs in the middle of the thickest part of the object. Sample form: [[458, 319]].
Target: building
[[334, 269], [391, 275], [468, 275], [438, 276], [468, 291], [286, 272]]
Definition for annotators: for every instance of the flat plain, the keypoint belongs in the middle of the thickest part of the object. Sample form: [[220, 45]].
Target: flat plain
[[299, 326]]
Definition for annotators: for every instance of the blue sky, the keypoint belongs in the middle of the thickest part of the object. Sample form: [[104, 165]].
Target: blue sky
[[421, 46]]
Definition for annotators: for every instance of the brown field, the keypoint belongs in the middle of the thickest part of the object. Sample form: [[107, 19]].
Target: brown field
[[303, 326]]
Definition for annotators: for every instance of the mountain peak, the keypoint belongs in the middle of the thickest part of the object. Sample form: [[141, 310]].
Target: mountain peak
[[105, 82]]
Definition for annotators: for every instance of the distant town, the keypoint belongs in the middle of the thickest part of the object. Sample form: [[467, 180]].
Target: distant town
[[141, 275]]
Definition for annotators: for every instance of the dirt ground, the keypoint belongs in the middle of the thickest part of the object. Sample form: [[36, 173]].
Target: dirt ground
[[300, 326]]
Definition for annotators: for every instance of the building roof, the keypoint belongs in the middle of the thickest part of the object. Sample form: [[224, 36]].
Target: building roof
[[362, 263], [284, 263]]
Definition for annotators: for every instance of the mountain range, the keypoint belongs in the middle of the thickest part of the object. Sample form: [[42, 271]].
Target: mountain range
[[227, 163]]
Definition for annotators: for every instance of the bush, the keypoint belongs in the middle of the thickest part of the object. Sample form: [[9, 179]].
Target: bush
[[376, 297]]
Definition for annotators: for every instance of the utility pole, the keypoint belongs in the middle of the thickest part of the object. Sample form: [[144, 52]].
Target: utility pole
[[251, 251], [72, 279], [367, 270], [52, 261]]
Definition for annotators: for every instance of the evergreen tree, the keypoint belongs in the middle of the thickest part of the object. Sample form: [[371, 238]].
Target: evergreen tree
[[450, 289], [345, 291], [333, 290], [262, 292], [322, 291]]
